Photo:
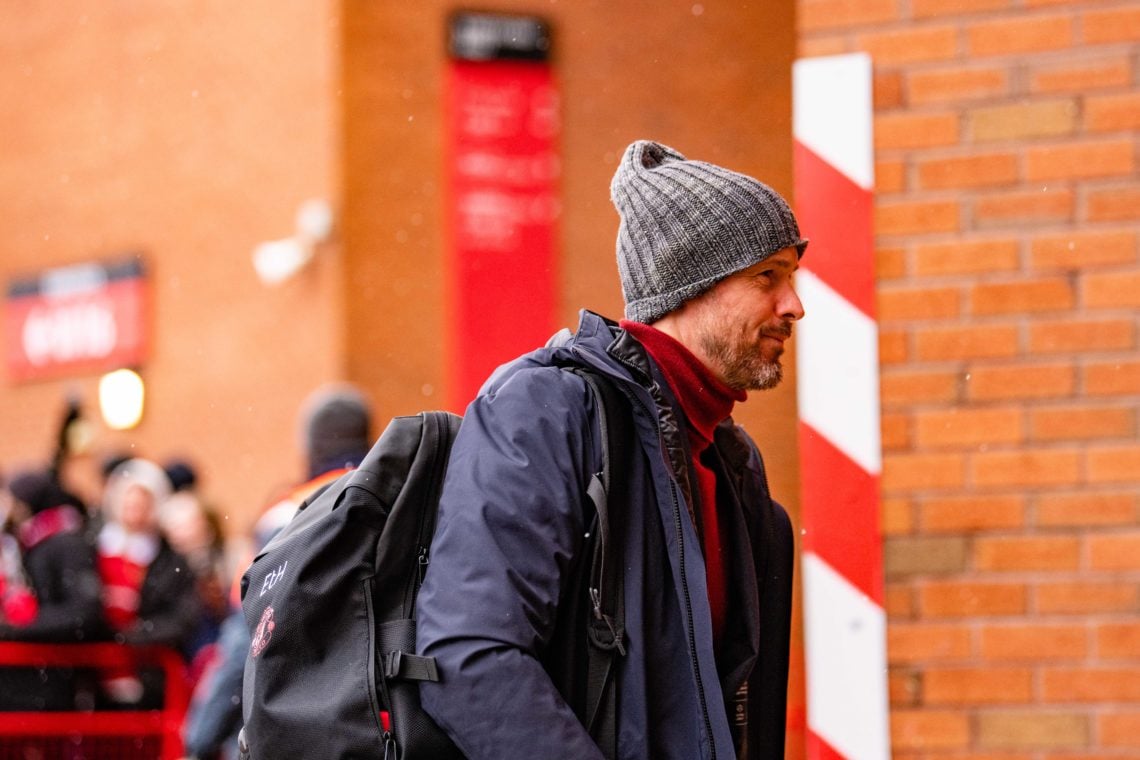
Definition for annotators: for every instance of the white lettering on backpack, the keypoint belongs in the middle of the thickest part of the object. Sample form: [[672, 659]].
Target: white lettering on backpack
[[272, 577]]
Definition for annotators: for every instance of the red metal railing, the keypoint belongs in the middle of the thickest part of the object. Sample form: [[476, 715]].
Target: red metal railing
[[96, 734]]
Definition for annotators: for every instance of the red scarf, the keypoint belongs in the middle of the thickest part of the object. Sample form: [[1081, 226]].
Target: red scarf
[[50, 522], [706, 402]]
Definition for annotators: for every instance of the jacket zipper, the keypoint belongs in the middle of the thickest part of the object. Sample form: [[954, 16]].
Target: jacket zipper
[[689, 617], [691, 630]]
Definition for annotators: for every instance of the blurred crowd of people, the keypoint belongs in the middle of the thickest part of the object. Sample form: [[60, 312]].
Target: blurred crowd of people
[[148, 563]]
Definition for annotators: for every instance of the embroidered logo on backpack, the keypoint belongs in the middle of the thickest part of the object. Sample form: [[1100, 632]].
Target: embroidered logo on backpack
[[263, 633]]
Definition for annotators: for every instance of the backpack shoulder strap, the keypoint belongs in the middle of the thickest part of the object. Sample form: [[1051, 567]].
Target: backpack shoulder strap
[[609, 492]]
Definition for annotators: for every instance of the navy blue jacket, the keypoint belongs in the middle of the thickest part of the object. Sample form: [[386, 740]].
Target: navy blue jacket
[[513, 516]]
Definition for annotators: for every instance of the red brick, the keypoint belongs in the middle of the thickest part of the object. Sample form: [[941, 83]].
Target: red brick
[[917, 387], [898, 601], [931, 8], [896, 516], [929, 730], [1023, 207], [1026, 34], [1081, 336], [895, 431], [1034, 642], [890, 177], [982, 170], [1059, 510], [1082, 423], [910, 44], [916, 217], [1036, 730], [906, 472], [904, 688], [918, 303], [907, 556], [1119, 729], [1085, 598], [926, 642], [895, 131], [1027, 467], [1112, 113], [969, 514], [959, 599], [1111, 25], [968, 428], [1108, 290], [1023, 121], [1021, 381], [829, 14], [975, 342], [1026, 296], [1112, 378], [1115, 552], [958, 84], [1016, 553], [1081, 250], [1091, 685], [1118, 641], [1114, 464], [1080, 160], [1113, 205], [970, 687], [975, 256], [890, 263], [886, 89], [893, 346], [1081, 76]]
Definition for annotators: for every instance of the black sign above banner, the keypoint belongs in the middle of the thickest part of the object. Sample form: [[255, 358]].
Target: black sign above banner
[[498, 37]]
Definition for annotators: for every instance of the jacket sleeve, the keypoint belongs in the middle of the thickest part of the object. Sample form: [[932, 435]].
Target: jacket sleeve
[[511, 520]]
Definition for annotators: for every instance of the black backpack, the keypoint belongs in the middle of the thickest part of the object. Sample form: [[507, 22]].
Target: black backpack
[[330, 602]]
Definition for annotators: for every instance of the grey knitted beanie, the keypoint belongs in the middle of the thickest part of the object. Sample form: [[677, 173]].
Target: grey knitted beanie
[[686, 225]]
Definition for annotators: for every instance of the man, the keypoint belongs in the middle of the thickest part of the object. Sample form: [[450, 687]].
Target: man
[[706, 258]]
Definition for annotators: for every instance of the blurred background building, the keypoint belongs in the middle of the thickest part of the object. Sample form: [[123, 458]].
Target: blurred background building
[[154, 152]]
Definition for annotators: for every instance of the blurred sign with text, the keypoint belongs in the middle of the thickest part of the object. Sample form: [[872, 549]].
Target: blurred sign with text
[[76, 320]]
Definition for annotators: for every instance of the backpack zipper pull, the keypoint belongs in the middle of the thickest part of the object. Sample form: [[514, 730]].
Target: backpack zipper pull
[[422, 562]]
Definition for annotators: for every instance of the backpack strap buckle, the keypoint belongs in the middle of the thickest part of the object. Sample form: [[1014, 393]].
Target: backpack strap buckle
[[409, 667]]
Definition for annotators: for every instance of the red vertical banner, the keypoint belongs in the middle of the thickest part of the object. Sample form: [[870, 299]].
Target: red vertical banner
[[502, 123]]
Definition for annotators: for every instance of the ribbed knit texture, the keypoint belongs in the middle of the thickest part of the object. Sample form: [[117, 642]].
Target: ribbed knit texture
[[706, 402], [686, 225]]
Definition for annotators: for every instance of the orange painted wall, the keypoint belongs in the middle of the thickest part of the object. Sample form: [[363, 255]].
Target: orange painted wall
[[1008, 220], [189, 132]]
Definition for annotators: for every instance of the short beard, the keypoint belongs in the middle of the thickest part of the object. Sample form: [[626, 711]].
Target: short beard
[[741, 366]]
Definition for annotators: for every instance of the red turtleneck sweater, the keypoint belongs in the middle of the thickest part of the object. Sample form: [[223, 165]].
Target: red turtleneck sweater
[[706, 402]]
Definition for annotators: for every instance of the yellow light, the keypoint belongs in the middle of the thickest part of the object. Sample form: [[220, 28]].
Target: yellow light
[[121, 399]]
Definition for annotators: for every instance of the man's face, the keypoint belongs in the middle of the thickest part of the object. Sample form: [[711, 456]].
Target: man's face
[[740, 325]]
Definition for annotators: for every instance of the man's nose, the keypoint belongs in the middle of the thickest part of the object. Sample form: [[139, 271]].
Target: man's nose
[[791, 307]]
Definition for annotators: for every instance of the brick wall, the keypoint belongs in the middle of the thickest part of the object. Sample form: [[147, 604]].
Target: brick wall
[[1007, 226]]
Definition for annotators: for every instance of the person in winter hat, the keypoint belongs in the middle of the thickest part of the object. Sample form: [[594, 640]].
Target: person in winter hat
[[148, 588], [336, 420], [706, 257]]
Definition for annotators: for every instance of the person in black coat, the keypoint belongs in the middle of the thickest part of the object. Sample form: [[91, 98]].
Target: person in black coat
[[59, 567]]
